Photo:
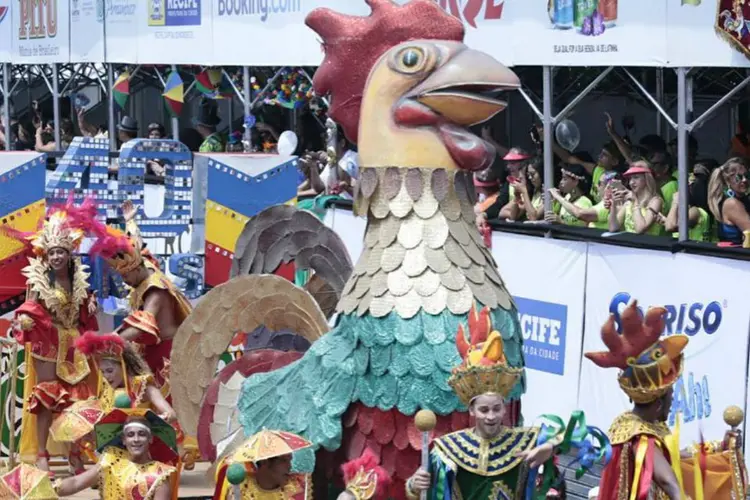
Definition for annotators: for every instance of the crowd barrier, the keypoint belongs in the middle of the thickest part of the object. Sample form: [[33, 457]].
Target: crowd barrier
[[565, 291]]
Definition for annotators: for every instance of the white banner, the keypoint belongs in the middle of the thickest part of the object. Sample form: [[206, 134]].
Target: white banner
[[271, 31], [41, 31], [693, 37], [588, 32], [706, 299], [86, 31], [546, 278], [121, 29], [159, 32], [176, 32], [6, 30]]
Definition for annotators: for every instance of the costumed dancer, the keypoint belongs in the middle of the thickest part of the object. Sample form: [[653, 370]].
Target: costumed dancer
[[58, 307], [138, 457], [123, 372], [640, 466], [490, 460], [261, 467], [646, 461], [157, 306]]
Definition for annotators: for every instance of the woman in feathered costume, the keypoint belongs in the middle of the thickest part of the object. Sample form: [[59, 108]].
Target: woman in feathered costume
[[57, 309]]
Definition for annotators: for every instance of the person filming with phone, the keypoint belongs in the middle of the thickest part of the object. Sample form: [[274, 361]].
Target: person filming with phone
[[571, 197], [637, 210]]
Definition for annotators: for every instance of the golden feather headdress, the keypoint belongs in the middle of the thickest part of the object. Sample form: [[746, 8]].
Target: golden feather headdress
[[484, 369]]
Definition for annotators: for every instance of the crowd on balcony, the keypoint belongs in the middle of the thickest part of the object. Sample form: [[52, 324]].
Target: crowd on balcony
[[629, 187]]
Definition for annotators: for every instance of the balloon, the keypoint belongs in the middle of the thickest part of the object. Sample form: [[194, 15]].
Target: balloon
[[287, 143], [567, 134]]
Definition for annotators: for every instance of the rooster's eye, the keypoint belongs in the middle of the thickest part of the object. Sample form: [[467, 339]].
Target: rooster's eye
[[410, 58]]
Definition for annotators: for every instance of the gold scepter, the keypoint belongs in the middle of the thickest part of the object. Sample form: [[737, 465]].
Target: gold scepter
[[425, 421]]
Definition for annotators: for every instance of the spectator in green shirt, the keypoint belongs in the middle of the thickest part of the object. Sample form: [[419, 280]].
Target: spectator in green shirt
[[699, 221], [636, 210], [206, 123], [571, 196], [664, 176]]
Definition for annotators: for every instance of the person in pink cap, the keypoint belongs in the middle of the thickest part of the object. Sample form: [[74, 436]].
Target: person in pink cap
[[636, 210]]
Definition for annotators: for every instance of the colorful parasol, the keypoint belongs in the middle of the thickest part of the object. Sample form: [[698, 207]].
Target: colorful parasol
[[213, 84], [163, 446], [27, 483], [269, 444], [121, 89], [76, 421], [174, 93]]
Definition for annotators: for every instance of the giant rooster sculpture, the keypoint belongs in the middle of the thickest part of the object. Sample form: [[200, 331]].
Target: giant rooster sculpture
[[404, 88]]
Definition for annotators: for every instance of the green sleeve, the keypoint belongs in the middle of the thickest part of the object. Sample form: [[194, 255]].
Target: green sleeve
[[583, 202], [602, 213]]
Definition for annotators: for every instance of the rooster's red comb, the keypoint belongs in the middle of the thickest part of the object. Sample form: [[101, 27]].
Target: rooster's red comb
[[638, 334], [353, 44]]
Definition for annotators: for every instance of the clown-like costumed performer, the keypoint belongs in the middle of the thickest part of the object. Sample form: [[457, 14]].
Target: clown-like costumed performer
[[58, 308], [646, 461], [261, 468], [490, 460], [137, 462], [157, 306]]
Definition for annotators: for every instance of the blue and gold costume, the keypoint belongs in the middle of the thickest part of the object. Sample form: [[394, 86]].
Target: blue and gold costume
[[463, 465]]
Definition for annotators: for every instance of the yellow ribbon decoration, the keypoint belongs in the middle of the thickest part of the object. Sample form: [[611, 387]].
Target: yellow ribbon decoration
[[698, 475], [673, 444], [225, 484], [640, 457]]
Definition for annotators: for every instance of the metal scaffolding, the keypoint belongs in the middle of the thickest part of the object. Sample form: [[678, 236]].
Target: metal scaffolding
[[649, 86]]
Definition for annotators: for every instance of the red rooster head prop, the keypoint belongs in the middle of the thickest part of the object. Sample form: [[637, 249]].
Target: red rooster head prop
[[484, 369], [649, 365], [405, 75]]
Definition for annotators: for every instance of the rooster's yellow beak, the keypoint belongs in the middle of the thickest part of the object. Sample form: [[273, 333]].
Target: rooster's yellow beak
[[462, 88]]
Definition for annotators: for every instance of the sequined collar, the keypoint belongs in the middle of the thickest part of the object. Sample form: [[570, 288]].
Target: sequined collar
[[629, 425], [485, 457], [63, 307]]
